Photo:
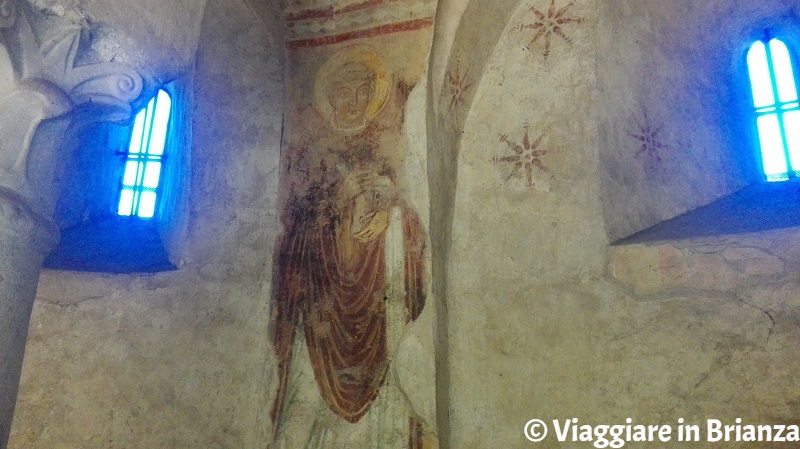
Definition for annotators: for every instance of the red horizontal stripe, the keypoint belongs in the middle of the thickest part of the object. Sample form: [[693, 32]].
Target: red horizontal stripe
[[360, 34], [363, 5], [311, 14]]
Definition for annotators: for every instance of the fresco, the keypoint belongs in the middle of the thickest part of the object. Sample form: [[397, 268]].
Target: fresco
[[351, 270], [549, 23], [457, 86], [650, 145], [523, 159]]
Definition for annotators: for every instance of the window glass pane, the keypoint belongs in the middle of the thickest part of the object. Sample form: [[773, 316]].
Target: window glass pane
[[778, 177], [160, 122], [125, 203], [791, 123], [760, 79], [787, 90], [143, 168], [772, 153], [148, 120], [147, 204], [136, 135], [131, 173], [152, 174]]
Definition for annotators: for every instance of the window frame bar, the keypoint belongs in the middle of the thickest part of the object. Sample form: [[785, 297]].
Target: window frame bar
[[778, 107], [792, 171], [142, 157]]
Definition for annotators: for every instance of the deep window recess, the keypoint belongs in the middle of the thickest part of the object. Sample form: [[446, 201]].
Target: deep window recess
[[777, 110], [772, 110], [144, 159], [123, 190]]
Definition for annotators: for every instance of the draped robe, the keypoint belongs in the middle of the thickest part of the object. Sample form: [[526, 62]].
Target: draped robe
[[334, 291]]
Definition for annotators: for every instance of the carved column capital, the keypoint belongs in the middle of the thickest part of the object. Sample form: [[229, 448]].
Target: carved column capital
[[49, 55], [49, 87]]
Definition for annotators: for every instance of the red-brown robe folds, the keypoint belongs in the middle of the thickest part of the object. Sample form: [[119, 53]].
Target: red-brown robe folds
[[340, 306]]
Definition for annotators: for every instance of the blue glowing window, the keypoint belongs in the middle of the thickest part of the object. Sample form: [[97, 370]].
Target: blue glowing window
[[144, 159], [777, 110]]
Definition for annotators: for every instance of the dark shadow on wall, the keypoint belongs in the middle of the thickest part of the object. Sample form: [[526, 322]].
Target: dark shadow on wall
[[756, 208], [115, 245]]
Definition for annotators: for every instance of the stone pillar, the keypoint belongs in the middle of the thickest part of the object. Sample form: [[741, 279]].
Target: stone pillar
[[43, 95], [25, 239]]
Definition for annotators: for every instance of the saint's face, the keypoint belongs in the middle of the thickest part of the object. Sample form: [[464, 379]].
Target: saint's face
[[350, 101]]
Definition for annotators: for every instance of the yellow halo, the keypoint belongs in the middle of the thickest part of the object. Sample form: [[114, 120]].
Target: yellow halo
[[334, 69]]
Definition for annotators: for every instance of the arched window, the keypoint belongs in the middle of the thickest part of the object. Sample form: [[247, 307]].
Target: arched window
[[772, 70], [144, 159], [124, 193]]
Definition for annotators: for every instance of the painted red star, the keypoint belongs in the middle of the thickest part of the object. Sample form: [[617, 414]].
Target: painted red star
[[647, 136], [457, 87], [525, 156], [548, 24]]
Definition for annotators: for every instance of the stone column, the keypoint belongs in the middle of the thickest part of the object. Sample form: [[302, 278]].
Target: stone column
[[43, 96], [25, 239]]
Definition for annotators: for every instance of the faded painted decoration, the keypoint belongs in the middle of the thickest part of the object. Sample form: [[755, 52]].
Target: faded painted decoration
[[647, 135], [549, 23], [351, 89], [351, 270], [523, 157], [457, 87]]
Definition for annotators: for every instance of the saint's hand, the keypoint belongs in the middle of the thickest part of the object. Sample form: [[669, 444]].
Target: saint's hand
[[376, 226]]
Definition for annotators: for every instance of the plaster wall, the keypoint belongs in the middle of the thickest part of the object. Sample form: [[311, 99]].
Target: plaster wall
[[537, 317], [674, 132], [518, 242], [544, 319], [177, 359]]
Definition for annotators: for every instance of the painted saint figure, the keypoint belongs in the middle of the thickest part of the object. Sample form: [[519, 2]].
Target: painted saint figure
[[350, 279]]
